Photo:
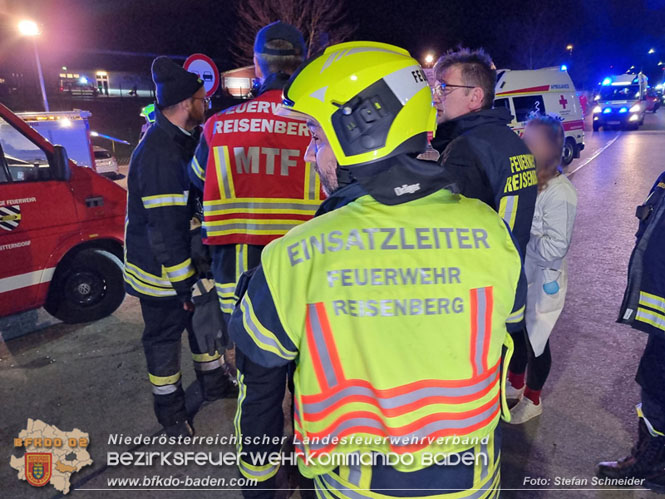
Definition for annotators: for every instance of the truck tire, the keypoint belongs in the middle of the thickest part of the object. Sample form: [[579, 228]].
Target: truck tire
[[568, 151], [87, 288]]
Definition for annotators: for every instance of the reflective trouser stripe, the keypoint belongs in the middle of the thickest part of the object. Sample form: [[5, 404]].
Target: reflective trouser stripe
[[650, 317], [260, 473], [652, 430], [208, 366], [224, 176], [481, 304], [241, 259], [207, 362], [242, 393], [508, 209], [164, 385], [652, 301]]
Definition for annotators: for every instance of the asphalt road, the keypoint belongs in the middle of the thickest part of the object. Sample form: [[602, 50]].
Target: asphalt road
[[93, 377]]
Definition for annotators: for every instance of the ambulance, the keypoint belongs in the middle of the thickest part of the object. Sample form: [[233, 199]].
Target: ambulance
[[621, 101], [544, 91], [61, 229]]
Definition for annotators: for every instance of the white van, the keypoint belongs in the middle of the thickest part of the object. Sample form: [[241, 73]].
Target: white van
[[621, 101], [546, 91]]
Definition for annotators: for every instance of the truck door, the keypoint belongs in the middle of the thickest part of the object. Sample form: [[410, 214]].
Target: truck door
[[36, 213]]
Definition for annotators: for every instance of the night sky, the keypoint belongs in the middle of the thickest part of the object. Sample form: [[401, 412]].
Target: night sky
[[605, 33]]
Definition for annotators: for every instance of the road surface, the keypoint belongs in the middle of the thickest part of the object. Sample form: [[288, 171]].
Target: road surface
[[93, 376]]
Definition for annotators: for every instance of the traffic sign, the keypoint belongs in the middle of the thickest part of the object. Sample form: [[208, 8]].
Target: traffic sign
[[206, 69]]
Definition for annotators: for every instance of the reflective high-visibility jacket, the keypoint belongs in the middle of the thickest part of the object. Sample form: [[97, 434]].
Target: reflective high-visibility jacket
[[396, 320], [250, 166], [157, 238], [644, 300]]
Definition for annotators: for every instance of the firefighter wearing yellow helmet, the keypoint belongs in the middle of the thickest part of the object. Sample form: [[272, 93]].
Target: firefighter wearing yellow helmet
[[389, 308]]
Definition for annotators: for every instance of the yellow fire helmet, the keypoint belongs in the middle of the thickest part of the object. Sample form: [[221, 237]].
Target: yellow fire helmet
[[371, 99]]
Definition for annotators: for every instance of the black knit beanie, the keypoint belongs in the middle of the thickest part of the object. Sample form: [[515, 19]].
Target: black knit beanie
[[172, 82]]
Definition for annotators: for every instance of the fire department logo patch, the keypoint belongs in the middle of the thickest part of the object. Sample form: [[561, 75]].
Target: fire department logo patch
[[38, 468], [10, 217]]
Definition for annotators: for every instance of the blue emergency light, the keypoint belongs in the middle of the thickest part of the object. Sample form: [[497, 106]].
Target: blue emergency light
[[607, 110], [623, 110], [607, 81], [564, 67]]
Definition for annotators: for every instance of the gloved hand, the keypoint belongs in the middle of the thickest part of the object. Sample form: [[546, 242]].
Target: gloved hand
[[551, 288], [207, 321]]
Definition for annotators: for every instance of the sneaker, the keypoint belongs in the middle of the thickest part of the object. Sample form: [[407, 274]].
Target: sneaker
[[513, 393], [524, 411]]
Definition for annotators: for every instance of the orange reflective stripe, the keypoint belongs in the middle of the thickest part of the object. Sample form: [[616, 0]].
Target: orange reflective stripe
[[481, 305], [400, 400], [325, 358], [408, 438]]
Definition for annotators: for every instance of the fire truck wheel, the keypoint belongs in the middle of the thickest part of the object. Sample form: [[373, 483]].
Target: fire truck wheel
[[87, 288]]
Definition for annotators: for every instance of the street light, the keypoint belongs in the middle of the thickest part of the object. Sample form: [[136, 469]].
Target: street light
[[31, 29], [429, 59]]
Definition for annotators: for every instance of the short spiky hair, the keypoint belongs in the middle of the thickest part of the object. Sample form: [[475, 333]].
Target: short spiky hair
[[477, 70]]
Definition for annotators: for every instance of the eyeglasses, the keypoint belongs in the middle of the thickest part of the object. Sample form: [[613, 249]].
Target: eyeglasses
[[442, 88], [206, 100]]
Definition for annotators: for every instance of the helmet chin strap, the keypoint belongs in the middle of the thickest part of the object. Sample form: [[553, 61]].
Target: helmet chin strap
[[344, 176]]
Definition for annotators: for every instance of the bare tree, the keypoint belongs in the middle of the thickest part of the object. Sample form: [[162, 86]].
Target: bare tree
[[322, 22], [537, 42]]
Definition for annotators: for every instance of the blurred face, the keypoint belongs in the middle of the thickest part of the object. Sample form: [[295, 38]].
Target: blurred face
[[453, 98], [542, 148], [320, 154]]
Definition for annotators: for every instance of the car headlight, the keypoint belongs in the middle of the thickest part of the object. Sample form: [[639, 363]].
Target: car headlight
[[636, 108], [597, 109], [634, 117]]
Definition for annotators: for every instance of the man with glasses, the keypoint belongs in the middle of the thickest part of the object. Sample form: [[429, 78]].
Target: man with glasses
[[158, 264], [479, 152], [485, 157]]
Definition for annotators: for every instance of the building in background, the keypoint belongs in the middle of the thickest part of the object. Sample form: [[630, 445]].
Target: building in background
[[105, 83], [238, 82]]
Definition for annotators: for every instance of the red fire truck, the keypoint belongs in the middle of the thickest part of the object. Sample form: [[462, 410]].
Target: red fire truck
[[61, 229]]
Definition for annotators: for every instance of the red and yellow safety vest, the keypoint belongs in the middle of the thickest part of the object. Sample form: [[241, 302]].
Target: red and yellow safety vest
[[258, 185]]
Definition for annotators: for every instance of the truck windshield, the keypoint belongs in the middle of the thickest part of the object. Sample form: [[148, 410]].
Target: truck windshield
[[25, 160], [18, 148], [626, 92]]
